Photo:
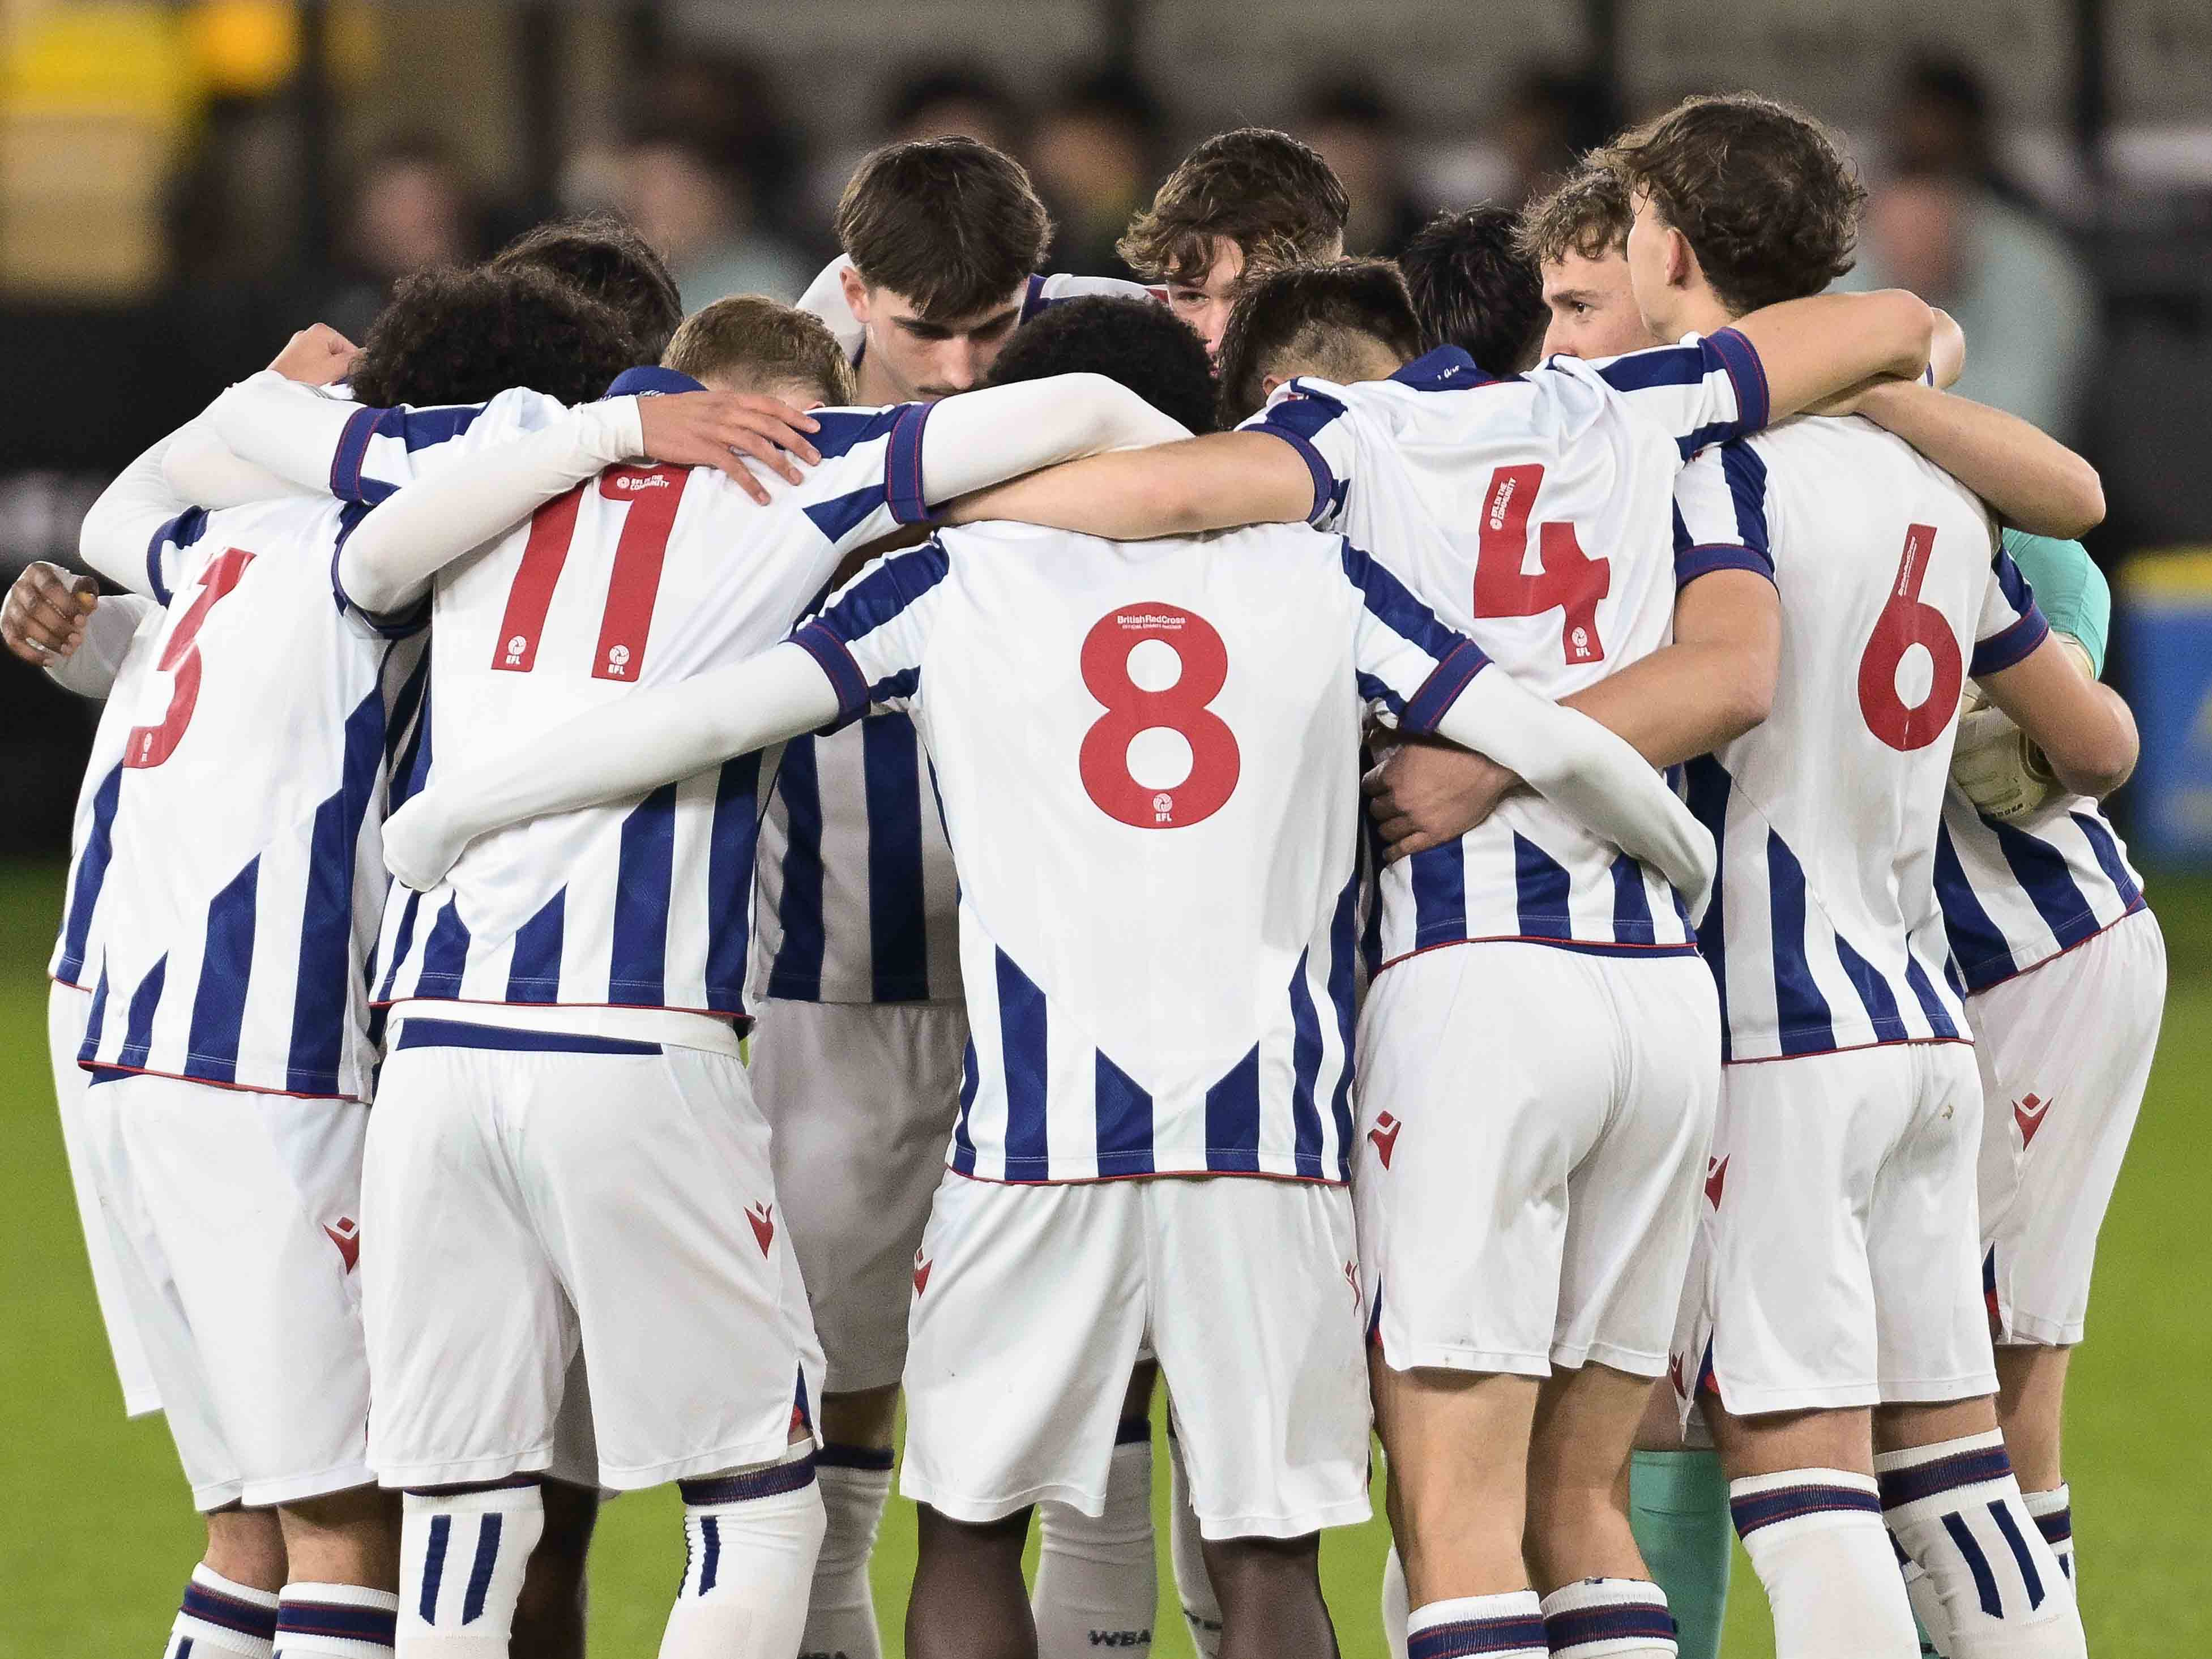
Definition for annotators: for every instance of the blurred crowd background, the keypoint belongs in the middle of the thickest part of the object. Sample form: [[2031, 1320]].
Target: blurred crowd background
[[183, 184]]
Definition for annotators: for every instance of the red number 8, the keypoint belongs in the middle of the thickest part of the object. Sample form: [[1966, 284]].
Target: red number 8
[[1904, 622], [1182, 708]]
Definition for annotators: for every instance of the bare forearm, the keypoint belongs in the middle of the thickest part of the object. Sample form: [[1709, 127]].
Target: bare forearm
[[2033, 481], [1214, 483], [1814, 347], [1675, 704]]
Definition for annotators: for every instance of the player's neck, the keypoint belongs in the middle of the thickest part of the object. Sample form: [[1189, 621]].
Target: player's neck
[[1697, 310], [873, 385]]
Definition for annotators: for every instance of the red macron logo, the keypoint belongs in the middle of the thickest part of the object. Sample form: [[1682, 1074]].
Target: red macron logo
[[922, 1267], [762, 1216], [1384, 1134], [346, 1234], [1674, 1375], [1715, 1178], [2028, 1113], [1351, 1277]]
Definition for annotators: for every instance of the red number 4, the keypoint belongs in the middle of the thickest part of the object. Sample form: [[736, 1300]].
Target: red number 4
[[1181, 707], [1907, 621], [653, 494], [1566, 580]]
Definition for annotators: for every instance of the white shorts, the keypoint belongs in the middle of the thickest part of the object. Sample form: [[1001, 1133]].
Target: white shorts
[[1837, 1264], [862, 1098], [67, 1008], [1031, 1303], [1534, 1126], [234, 1216], [529, 1192], [2065, 1051]]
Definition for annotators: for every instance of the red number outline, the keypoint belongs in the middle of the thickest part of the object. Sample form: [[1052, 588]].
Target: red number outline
[[1567, 579], [650, 496], [1907, 621], [1184, 708]]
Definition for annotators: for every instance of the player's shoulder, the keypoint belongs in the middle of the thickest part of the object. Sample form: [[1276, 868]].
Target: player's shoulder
[[1042, 291]]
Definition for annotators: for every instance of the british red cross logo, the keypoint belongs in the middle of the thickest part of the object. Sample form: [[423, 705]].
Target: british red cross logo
[[2028, 1113], [1384, 1134], [762, 1216]]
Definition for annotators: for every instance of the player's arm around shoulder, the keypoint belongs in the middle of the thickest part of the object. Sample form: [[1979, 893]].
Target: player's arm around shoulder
[[1827, 343], [1217, 481]]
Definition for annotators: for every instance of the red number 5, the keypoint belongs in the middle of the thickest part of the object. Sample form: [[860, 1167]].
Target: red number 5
[[1566, 579], [149, 745], [1182, 708], [1904, 622]]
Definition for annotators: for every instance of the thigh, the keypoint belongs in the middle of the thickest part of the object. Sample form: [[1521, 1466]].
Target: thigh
[[1255, 1318], [861, 1097], [1790, 1291], [255, 1201], [1028, 1310], [1481, 1089], [648, 1179], [468, 1330], [1633, 1201], [1923, 1240]]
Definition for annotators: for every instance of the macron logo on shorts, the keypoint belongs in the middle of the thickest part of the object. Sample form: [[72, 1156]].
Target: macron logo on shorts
[[1716, 1177], [762, 1216], [2028, 1113], [346, 1233], [921, 1266], [1384, 1134]]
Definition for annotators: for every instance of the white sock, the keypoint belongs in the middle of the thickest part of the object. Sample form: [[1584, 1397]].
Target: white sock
[[752, 1540], [1202, 1608], [1609, 1618], [1816, 1539], [1926, 1605], [341, 1621], [1508, 1626], [461, 1560], [840, 1609], [1097, 1579], [2054, 1518], [1956, 1510], [220, 1618], [1397, 1606]]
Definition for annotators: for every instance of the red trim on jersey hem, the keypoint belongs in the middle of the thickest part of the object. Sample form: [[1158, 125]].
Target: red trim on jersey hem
[[1580, 947], [740, 1021], [1154, 1174], [1855, 1048], [56, 979], [211, 1083], [2140, 907]]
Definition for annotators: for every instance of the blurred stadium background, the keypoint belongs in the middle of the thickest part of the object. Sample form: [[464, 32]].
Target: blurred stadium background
[[181, 184]]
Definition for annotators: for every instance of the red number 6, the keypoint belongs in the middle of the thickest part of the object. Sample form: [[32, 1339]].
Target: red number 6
[[1904, 622], [1182, 708]]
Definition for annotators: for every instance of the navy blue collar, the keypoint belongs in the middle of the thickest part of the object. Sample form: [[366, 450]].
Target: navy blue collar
[[1448, 369], [650, 378]]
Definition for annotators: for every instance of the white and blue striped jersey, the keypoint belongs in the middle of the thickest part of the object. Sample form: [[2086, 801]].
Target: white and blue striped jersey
[[92, 827], [641, 576], [1824, 931], [244, 865], [1146, 753], [857, 899], [2016, 894], [1540, 516]]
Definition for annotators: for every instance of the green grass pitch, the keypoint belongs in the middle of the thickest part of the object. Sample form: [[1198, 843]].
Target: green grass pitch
[[99, 1534]]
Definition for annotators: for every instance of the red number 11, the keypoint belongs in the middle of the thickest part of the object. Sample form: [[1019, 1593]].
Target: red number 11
[[651, 494]]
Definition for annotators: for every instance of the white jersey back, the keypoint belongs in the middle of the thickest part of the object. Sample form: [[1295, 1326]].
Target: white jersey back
[[245, 867], [643, 575], [858, 901], [1537, 515], [1147, 758], [92, 827], [1824, 930], [2016, 894]]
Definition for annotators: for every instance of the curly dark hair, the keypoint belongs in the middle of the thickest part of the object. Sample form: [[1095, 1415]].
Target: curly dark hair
[[1589, 215], [1273, 196], [1135, 342], [606, 258], [1306, 315], [1473, 287], [465, 336], [1762, 192]]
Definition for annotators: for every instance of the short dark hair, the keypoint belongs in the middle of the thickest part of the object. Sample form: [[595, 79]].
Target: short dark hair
[[950, 225], [1588, 215], [1135, 342], [1270, 194], [465, 336], [605, 257], [1472, 288], [1306, 313], [1761, 192], [753, 338]]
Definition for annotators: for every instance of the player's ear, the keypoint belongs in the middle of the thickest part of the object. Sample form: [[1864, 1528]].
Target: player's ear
[[1269, 382], [856, 293], [1681, 262]]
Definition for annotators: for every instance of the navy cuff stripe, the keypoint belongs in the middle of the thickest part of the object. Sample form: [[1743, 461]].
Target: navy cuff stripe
[[1469, 1636], [1790, 1502], [2056, 1529], [214, 1607], [1324, 481], [460, 1034], [1967, 1468], [1746, 373], [2001, 651], [835, 1456], [1621, 1622], [908, 501], [771, 1482], [1443, 688], [338, 1618], [1703, 560], [352, 452], [835, 657]]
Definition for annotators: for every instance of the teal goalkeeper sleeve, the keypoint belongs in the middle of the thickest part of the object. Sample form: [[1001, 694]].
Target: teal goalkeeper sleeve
[[2070, 589]]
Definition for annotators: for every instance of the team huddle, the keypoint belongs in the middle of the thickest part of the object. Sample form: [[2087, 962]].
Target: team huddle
[[1495, 851]]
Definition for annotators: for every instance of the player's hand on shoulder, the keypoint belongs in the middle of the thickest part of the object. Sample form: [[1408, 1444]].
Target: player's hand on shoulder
[[1997, 767], [420, 845], [1428, 792], [43, 619], [713, 429], [317, 355]]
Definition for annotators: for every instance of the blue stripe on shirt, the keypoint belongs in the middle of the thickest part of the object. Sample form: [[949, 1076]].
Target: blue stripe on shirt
[[898, 928], [645, 878], [91, 874], [1122, 1119], [796, 973], [226, 975], [533, 967], [1801, 1016], [1232, 1118], [1025, 1069], [323, 1004]]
